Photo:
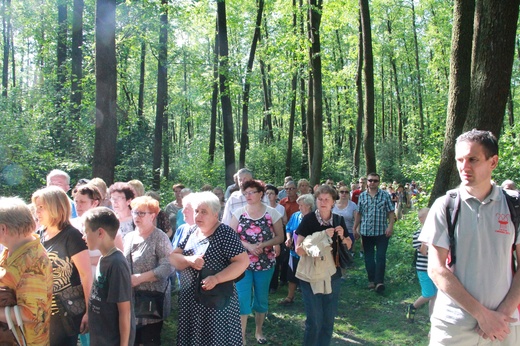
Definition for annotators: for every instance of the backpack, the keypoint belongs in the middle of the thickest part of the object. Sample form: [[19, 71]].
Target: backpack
[[452, 202]]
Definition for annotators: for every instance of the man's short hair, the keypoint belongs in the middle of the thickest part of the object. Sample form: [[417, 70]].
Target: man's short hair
[[373, 174], [290, 183], [485, 138], [102, 217], [244, 171], [16, 216], [58, 173]]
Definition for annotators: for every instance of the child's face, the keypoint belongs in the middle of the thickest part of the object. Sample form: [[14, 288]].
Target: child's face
[[91, 237]]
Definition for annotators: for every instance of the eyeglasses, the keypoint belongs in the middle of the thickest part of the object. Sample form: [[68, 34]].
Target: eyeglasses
[[249, 193], [140, 213], [343, 191], [270, 193], [290, 188], [373, 180]]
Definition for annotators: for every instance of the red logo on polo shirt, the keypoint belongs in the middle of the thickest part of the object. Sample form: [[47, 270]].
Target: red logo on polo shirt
[[503, 221]]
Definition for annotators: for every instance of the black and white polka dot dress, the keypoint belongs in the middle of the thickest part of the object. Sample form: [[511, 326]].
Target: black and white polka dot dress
[[198, 324]]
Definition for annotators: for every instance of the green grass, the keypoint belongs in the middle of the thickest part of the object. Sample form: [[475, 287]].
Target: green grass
[[364, 317]]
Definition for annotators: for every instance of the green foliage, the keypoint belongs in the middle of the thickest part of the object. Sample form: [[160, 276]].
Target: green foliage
[[508, 164]]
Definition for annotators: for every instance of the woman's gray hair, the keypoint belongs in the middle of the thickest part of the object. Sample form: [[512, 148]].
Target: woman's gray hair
[[307, 199], [206, 197]]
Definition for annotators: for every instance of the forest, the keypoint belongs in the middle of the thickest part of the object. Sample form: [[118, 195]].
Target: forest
[[189, 91]]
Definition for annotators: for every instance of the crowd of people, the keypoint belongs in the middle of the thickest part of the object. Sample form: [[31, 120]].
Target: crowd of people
[[115, 256]]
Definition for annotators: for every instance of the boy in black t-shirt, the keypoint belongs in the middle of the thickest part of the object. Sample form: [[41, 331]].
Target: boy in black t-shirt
[[110, 312]]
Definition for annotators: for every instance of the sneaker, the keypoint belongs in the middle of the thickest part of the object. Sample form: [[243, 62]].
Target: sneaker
[[410, 313]]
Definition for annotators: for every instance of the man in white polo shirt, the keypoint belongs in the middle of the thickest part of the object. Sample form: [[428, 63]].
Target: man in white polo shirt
[[478, 299]]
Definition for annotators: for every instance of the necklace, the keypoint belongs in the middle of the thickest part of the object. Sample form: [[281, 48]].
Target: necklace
[[111, 251]]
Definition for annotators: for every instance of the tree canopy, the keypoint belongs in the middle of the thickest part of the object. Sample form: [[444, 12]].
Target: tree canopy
[[44, 126]]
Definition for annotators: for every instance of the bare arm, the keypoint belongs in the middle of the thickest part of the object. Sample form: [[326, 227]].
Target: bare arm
[[512, 299], [299, 249], [357, 221], [125, 316], [491, 323], [278, 235], [423, 249], [238, 265], [181, 262], [82, 262]]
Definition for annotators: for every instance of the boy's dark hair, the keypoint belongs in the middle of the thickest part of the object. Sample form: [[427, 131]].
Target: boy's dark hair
[[102, 217], [484, 138]]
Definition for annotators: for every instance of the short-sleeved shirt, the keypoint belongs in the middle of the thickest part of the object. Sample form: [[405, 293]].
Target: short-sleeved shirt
[[28, 271], [257, 231], [60, 249], [374, 213], [152, 254], [348, 214], [484, 236], [111, 285], [290, 207]]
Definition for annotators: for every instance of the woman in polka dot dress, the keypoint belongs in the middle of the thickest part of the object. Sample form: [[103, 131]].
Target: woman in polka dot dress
[[215, 246]]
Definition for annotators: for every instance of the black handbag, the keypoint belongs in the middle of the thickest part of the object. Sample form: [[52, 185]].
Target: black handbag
[[148, 304], [217, 298], [343, 258], [71, 304]]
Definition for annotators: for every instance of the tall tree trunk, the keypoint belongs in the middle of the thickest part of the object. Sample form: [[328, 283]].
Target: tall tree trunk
[[303, 105], [142, 70], [458, 94], [491, 63], [13, 61], [383, 115], [360, 109], [61, 50], [315, 10], [368, 139], [161, 122], [267, 124], [292, 111], [418, 76], [225, 99], [77, 59], [6, 23], [400, 116], [510, 109], [214, 99], [244, 138], [106, 92]]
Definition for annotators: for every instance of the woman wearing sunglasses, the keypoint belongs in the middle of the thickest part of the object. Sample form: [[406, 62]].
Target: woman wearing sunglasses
[[346, 208]]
